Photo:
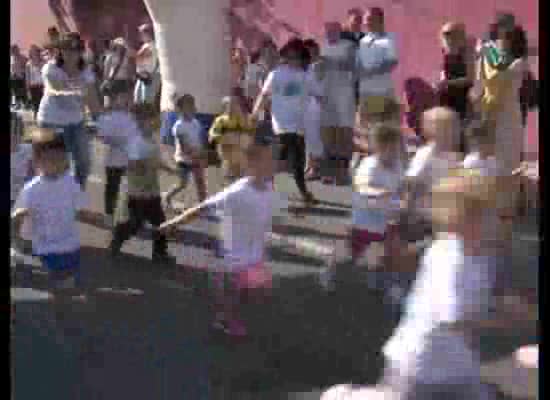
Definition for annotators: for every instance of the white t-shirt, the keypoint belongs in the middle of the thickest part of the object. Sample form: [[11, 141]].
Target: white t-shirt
[[289, 90], [449, 287], [374, 49], [33, 74], [188, 134], [487, 167], [20, 162], [149, 64], [53, 203], [366, 214], [116, 128], [427, 169], [62, 110], [246, 214]]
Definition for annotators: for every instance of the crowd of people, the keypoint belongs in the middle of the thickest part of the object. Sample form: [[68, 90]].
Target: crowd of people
[[323, 110]]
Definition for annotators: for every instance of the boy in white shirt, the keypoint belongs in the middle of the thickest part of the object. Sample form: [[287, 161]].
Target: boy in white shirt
[[115, 128], [246, 211], [429, 353], [190, 154], [52, 201]]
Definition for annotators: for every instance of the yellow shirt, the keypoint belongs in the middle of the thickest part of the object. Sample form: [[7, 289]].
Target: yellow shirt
[[229, 123]]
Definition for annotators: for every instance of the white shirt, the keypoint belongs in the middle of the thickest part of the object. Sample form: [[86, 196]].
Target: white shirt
[[246, 214], [53, 203], [188, 134], [374, 49], [449, 287], [289, 91], [149, 64], [366, 214], [33, 74], [20, 162], [335, 78], [116, 128], [62, 110]]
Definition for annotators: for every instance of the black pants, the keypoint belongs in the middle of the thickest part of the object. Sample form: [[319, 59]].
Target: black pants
[[292, 148], [112, 187], [141, 211], [36, 93], [18, 90]]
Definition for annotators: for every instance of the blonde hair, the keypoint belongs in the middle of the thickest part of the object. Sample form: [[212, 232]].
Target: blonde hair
[[444, 120], [462, 197]]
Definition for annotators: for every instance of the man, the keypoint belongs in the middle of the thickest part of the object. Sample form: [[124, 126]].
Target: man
[[353, 26], [376, 60]]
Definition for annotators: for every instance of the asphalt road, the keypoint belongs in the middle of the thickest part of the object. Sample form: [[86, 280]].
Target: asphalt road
[[157, 344]]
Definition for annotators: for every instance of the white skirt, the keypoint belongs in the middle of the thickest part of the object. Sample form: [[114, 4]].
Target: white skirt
[[312, 119]]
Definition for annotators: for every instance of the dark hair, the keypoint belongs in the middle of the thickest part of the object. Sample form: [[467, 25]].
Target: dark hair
[[311, 44], [180, 101], [519, 44], [481, 132], [71, 39], [56, 144], [254, 57], [377, 11], [296, 46], [355, 11]]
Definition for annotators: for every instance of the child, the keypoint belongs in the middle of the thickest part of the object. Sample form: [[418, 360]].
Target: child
[[115, 128], [429, 352], [231, 133], [53, 201], [375, 184], [246, 208], [190, 156], [141, 200]]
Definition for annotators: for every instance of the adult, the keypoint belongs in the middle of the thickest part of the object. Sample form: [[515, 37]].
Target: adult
[[457, 73], [68, 87], [312, 123], [147, 68], [376, 60], [338, 106], [288, 88], [17, 76], [238, 66], [353, 27], [118, 73], [33, 78]]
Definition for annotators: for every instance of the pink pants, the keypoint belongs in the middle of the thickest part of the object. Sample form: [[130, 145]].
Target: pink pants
[[361, 239]]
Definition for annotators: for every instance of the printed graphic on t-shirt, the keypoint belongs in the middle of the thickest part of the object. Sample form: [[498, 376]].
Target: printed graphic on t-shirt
[[292, 89]]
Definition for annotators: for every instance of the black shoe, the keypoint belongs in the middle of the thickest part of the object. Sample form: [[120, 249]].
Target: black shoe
[[114, 250], [163, 258]]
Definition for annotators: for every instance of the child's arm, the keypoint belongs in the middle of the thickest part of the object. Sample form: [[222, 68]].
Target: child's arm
[[186, 217]]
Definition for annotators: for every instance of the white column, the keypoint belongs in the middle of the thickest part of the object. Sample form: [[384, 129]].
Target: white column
[[193, 47]]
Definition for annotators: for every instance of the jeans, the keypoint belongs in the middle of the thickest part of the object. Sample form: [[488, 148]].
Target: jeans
[[78, 146], [112, 187]]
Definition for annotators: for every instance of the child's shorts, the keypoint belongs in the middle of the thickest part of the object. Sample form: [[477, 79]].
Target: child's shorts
[[361, 239], [253, 277], [63, 269]]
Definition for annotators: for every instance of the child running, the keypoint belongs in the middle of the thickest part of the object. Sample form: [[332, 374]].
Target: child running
[[429, 354], [376, 186], [190, 156], [246, 212], [141, 200], [115, 128], [53, 201], [231, 132]]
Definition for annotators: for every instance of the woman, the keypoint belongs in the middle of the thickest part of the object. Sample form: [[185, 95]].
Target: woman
[[312, 127], [147, 68], [288, 88], [33, 78], [338, 110], [68, 87], [118, 72], [457, 74]]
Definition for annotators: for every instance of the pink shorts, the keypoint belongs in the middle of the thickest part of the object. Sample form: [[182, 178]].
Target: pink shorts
[[361, 239], [254, 277]]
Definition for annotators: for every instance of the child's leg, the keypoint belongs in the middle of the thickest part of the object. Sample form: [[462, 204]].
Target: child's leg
[[112, 186], [137, 210], [155, 216], [184, 171], [199, 176]]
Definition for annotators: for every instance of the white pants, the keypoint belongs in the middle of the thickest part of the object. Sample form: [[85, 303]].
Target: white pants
[[312, 123]]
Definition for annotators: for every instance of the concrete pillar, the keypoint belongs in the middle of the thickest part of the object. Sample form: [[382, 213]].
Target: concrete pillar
[[193, 44]]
